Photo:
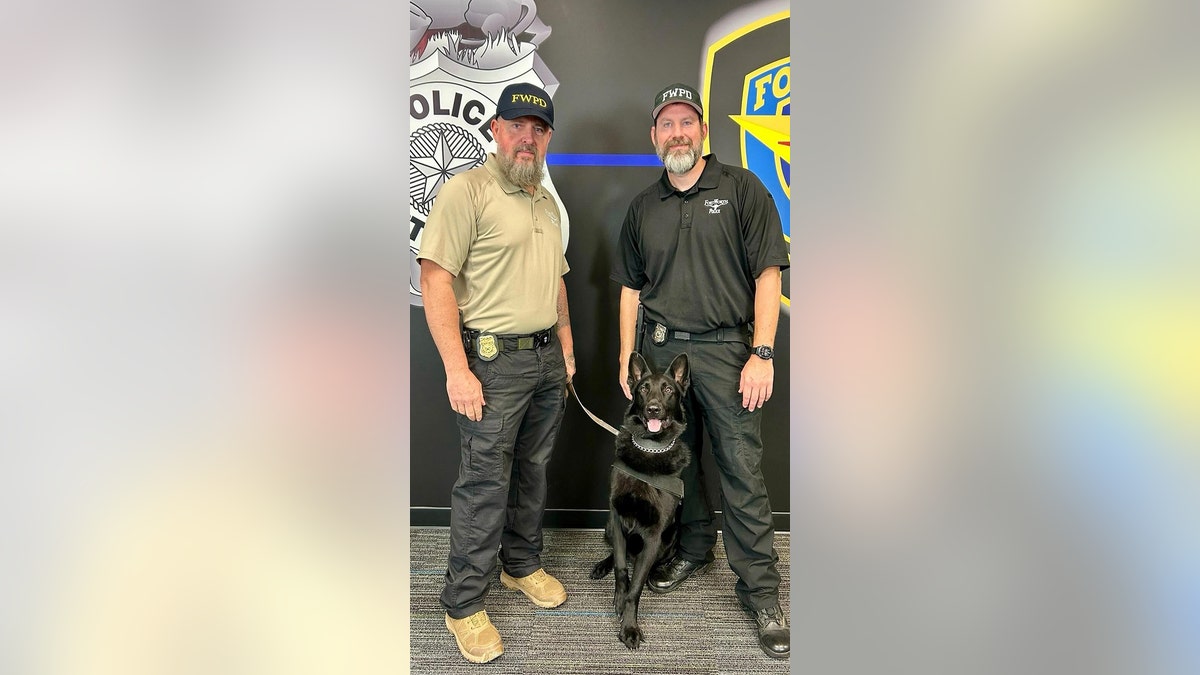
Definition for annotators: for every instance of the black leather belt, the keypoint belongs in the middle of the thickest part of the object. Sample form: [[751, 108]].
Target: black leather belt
[[659, 334], [510, 342]]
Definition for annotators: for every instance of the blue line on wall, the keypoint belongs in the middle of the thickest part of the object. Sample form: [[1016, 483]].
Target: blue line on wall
[[571, 159]]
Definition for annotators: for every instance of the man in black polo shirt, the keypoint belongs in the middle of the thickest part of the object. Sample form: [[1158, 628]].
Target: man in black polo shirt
[[702, 250]]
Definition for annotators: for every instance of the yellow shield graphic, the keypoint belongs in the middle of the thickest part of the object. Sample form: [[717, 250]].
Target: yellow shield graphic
[[747, 97]]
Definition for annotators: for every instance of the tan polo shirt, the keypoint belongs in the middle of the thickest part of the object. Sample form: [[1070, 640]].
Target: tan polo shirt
[[503, 246]]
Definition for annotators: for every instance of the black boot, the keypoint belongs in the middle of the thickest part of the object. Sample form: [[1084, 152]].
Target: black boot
[[774, 636], [667, 576]]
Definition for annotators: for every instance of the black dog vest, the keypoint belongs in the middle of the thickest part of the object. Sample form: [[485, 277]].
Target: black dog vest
[[671, 484]]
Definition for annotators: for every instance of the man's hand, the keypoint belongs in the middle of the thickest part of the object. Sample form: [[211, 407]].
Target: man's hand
[[758, 377], [569, 359], [623, 375], [466, 394]]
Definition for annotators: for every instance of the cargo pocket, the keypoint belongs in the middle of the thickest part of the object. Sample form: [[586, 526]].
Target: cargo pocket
[[741, 432], [480, 440]]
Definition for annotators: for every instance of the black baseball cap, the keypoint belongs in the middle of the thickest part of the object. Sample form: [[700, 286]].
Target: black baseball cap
[[521, 99], [676, 93]]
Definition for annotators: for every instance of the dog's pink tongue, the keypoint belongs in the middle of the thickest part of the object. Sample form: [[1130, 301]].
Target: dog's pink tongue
[[654, 425]]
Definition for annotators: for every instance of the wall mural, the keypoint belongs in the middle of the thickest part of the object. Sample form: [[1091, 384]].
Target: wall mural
[[462, 54], [758, 100]]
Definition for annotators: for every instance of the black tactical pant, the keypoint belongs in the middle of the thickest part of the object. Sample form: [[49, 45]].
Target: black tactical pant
[[736, 438], [500, 494]]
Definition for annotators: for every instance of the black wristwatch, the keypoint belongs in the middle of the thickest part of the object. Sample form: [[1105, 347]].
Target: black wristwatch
[[764, 352]]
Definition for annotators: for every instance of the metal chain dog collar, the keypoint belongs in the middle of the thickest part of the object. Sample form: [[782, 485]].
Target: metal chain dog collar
[[651, 450]]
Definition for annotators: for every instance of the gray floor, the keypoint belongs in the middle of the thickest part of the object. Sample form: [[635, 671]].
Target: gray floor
[[699, 628]]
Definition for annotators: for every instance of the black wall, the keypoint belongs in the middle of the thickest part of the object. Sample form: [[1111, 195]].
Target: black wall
[[610, 58]]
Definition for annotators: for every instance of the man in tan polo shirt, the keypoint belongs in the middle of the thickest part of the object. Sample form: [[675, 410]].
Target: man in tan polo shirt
[[492, 254]]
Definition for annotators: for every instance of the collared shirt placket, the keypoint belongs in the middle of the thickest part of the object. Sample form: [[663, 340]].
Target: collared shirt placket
[[685, 209], [533, 201]]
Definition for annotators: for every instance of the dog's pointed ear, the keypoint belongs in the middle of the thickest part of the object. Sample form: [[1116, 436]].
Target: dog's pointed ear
[[637, 368], [679, 370]]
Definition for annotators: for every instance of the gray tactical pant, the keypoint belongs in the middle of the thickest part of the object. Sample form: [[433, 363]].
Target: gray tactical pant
[[500, 495]]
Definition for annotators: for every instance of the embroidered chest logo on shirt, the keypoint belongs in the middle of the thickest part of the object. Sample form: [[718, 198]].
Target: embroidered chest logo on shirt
[[714, 205], [552, 216]]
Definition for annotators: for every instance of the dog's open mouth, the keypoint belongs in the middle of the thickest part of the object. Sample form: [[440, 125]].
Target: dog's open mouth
[[654, 425]]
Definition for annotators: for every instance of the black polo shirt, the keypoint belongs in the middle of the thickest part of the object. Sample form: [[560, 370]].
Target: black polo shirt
[[695, 255]]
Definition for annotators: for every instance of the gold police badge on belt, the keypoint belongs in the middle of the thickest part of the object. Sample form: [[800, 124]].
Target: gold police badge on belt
[[486, 346], [660, 334]]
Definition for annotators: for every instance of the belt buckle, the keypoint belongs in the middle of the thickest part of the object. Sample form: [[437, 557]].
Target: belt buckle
[[487, 346], [660, 334], [543, 338]]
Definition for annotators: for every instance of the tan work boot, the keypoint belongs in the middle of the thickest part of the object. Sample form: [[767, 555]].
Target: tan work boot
[[543, 589], [478, 640]]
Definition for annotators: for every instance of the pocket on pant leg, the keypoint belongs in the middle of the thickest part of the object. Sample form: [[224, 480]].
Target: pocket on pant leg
[[482, 443], [749, 436], [740, 431]]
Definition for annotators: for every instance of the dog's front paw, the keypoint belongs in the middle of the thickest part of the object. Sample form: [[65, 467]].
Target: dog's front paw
[[631, 636], [602, 568]]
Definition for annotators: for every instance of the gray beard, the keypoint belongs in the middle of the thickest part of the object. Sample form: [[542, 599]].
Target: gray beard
[[677, 163], [521, 174]]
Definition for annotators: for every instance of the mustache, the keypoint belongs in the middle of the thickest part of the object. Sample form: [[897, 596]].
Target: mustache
[[528, 147], [677, 142]]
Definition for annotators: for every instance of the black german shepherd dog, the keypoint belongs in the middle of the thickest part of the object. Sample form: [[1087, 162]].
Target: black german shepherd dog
[[642, 519]]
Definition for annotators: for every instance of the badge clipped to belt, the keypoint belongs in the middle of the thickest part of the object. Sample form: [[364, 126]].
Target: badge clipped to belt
[[486, 346], [660, 334]]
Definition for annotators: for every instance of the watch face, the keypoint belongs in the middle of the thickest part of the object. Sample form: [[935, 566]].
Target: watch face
[[764, 352]]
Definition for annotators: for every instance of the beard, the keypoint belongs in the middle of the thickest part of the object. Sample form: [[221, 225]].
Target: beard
[[522, 174], [678, 163]]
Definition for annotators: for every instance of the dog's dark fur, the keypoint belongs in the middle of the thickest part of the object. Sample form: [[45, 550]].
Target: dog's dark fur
[[642, 520]]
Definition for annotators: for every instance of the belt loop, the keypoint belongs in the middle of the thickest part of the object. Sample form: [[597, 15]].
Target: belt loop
[[720, 335]]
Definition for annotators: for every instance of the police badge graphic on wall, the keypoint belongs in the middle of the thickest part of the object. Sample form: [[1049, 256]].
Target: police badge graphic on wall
[[747, 91], [462, 54]]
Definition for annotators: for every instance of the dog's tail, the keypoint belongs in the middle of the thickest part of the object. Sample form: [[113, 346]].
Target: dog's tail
[[602, 568]]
